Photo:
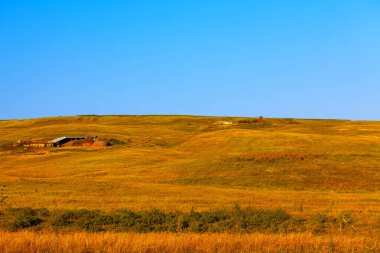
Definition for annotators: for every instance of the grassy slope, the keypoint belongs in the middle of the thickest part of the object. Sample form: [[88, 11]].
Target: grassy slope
[[183, 162]]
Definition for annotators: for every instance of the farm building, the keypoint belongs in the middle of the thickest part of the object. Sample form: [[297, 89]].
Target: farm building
[[57, 142]]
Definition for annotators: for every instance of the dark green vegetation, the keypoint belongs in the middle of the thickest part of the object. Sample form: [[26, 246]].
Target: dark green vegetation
[[237, 220]]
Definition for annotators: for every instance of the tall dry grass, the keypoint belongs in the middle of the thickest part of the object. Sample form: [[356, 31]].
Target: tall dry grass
[[165, 242]]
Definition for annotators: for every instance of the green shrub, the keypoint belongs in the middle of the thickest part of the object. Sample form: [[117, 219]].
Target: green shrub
[[238, 220], [114, 141], [3, 195], [84, 219], [320, 223], [125, 219], [64, 219], [25, 221], [156, 220], [183, 222], [251, 220], [25, 217]]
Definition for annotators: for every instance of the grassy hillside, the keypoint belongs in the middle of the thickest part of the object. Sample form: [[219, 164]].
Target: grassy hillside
[[179, 163]]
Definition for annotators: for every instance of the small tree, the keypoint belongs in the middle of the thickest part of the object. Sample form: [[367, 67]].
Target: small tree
[[261, 121]]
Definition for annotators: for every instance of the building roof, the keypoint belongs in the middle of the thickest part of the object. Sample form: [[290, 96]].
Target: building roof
[[69, 137], [57, 139]]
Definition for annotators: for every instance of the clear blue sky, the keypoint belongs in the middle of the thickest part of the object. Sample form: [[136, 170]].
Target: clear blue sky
[[301, 59]]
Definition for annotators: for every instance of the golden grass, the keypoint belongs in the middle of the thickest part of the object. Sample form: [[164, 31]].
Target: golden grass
[[272, 156], [179, 162], [169, 242], [184, 162]]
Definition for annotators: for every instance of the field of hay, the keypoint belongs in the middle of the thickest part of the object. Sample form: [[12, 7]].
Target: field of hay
[[169, 242], [183, 163]]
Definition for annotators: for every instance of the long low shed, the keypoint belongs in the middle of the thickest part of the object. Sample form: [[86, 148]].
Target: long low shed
[[64, 139]]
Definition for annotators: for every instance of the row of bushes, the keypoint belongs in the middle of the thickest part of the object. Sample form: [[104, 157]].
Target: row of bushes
[[236, 220]]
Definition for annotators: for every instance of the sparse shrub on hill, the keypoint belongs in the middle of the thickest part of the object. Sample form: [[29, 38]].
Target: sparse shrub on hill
[[251, 220], [3, 195], [4, 145], [114, 141], [321, 223], [24, 221], [291, 121], [156, 220], [84, 219], [125, 218], [26, 217], [67, 218], [247, 121]]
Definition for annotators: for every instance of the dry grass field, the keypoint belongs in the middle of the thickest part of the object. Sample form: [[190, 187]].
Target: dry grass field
[[168, 242], [183, 163]]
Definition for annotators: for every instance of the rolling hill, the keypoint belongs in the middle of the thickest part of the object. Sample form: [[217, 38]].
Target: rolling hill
[[183, 163]]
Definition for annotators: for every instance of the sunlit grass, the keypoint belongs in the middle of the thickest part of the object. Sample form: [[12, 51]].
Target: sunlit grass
[[179, 163], [168, 242]]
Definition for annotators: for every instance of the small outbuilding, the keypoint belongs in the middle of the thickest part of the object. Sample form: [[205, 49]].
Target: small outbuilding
[[224, 123]]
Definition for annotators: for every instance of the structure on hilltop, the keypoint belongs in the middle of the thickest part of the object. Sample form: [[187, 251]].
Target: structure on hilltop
[[57, 142], [71, 141], [224, 123]]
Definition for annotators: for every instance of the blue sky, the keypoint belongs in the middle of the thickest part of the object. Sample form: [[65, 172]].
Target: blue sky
[[301, 59]]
